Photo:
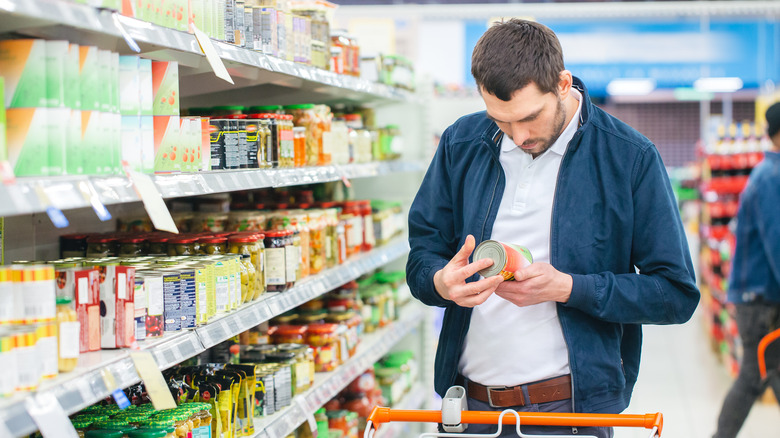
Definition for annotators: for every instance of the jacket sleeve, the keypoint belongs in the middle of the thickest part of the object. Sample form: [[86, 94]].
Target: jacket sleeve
[[663, 291], [766, 209], [431, 229]]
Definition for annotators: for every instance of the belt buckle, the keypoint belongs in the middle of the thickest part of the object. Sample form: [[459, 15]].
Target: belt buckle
[[490, 398]]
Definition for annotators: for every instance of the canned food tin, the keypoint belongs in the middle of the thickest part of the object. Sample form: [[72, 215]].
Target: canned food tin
[[507, 258]]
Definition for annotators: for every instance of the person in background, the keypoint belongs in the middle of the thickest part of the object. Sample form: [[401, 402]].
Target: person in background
[[589, 196], [754, 283]]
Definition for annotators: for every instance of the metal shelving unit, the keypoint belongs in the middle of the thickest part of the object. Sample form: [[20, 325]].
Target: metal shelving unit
[[69, 192], [87, 384], [327, 385]]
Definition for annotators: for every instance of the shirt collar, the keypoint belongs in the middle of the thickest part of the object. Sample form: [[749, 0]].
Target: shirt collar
[[559, 147]]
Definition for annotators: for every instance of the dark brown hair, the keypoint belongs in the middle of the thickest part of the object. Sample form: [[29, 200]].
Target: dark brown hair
[[514, 53]]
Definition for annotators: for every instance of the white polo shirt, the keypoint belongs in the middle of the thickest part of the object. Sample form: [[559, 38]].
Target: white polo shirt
[[506, 344]]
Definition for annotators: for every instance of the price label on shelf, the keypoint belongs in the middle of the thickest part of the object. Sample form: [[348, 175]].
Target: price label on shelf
[[91, 196], [128, 39], [153, 380], [153, 201], [308, 413], [48, 415], [211, 54]]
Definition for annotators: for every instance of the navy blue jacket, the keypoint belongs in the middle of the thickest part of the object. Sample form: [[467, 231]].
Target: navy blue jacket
[[755, 269], [614, 213]]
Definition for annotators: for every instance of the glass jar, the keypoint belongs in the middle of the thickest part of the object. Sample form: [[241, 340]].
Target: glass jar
[[337, 421], [101, 246], [373, 307], [289, 334], [322, 338], [182, 246], [103, 433], [67, 335], [148, 433], [302, 367], [287, 140], [248, 278], [275, 261], [205, 419], [299, 141], [331, 221], [157, 244], [306, 317], [317, 243], [73, 245], [181, 423], [305, 118], [300, 220], [212, 245], [246, 221], [368, 226], [81, 425], [166, 424], [323, 131], [286, 318], [350, 321], [251, 244], [354, 224], [132, 246]]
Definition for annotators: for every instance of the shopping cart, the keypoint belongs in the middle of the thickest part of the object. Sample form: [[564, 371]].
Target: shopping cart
[[454, 417], [762, 346]]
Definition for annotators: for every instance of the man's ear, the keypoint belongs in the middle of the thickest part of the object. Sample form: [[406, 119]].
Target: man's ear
[[565, 82]]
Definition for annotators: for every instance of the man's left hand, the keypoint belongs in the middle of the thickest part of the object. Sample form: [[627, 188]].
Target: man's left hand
[[536, 283]]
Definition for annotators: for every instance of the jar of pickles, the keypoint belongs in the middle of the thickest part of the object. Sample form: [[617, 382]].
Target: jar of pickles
[[303, 369], [166, 424], [157, 244], [351, 322], [101, 246], [182, 246], [275, 261], [131, 246], [305, 117], [81, 425], [248, 279], [322, 338], [317, 241], [299, 142], [182, 423], [289, 334], [210, 222], [212, 245]]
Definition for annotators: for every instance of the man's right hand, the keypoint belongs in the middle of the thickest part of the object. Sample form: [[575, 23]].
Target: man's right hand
[[451, 284]]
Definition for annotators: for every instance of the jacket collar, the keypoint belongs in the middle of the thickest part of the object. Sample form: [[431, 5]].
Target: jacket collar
[[492, 135]]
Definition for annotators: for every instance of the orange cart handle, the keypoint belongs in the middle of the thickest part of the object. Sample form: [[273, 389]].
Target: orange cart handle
[[648, 421], [762, 346]]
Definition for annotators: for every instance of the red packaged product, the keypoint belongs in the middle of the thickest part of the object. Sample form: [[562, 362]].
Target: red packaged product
[[87, 298], [117, 287]]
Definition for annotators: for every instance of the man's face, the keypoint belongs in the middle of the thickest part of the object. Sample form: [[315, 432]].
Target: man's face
[[531, 119]]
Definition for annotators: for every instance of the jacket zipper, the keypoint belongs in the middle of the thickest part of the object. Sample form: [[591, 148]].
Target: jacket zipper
[[552, 262], [490, 206]]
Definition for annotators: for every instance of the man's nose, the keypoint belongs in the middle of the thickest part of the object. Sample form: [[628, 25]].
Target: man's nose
[[519, 133]]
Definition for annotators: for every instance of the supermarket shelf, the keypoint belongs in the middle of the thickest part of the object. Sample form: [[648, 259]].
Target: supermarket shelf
[[413, 400], [53, 19], [327, 385], [276, 303], [36, 194], [87, 384]]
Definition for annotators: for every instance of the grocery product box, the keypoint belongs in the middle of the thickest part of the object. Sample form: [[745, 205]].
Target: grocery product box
[[147, 143], [132, 147], [91, 136], [89, 75], [188, 297], [23, 65], [139, 302], [72, 79], [56, 53], [167, 154], [129, 86], [87, 294], [117, 325], [27, 132], [205, 145], [165, 88], [146, 86], [154, 321], [3, 147], [110, 148], [57, 120], [104, 83], [74, 162], [113, 82]]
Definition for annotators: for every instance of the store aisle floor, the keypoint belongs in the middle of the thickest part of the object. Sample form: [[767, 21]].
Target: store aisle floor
[[682, 378]]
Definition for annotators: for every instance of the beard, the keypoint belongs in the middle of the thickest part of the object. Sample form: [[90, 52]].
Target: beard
[[546, 143]]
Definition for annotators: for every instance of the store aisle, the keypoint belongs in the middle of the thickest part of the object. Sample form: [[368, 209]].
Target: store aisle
[[682, 378]]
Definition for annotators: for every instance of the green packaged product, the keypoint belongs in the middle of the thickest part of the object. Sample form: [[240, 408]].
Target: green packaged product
[[23, 63]]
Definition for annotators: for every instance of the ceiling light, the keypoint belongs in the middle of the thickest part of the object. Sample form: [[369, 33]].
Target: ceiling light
[[630, 87], [718, 85]]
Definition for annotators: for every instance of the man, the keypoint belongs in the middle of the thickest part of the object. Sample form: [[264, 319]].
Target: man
[[589, 197], [754, 283]]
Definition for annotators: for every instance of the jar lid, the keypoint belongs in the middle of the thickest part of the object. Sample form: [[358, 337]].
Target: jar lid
[[300, 106], [322, 329], [277, 233], [352, 117], [213, 239], [279, 357], [245, 238], [147, 433], [101, 239], [158, 238], [290, 330], [236, 116], [131, 239], [61, 301], [104, 433], [81, 423], [183, 240], [228, 108]]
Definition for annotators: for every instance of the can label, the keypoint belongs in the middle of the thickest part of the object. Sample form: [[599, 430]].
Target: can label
[[507, 258]]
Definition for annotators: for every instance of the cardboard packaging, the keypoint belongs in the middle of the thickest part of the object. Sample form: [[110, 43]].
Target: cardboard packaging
[[27, 132], [117, 287], [153, 294], [87, 291], [168, 157], [165, 88], [23, 63]]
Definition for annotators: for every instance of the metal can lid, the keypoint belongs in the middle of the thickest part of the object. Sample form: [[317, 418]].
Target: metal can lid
[[491, 249]]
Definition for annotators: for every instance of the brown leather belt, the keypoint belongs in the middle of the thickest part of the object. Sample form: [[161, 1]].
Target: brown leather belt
[[558, 388]]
